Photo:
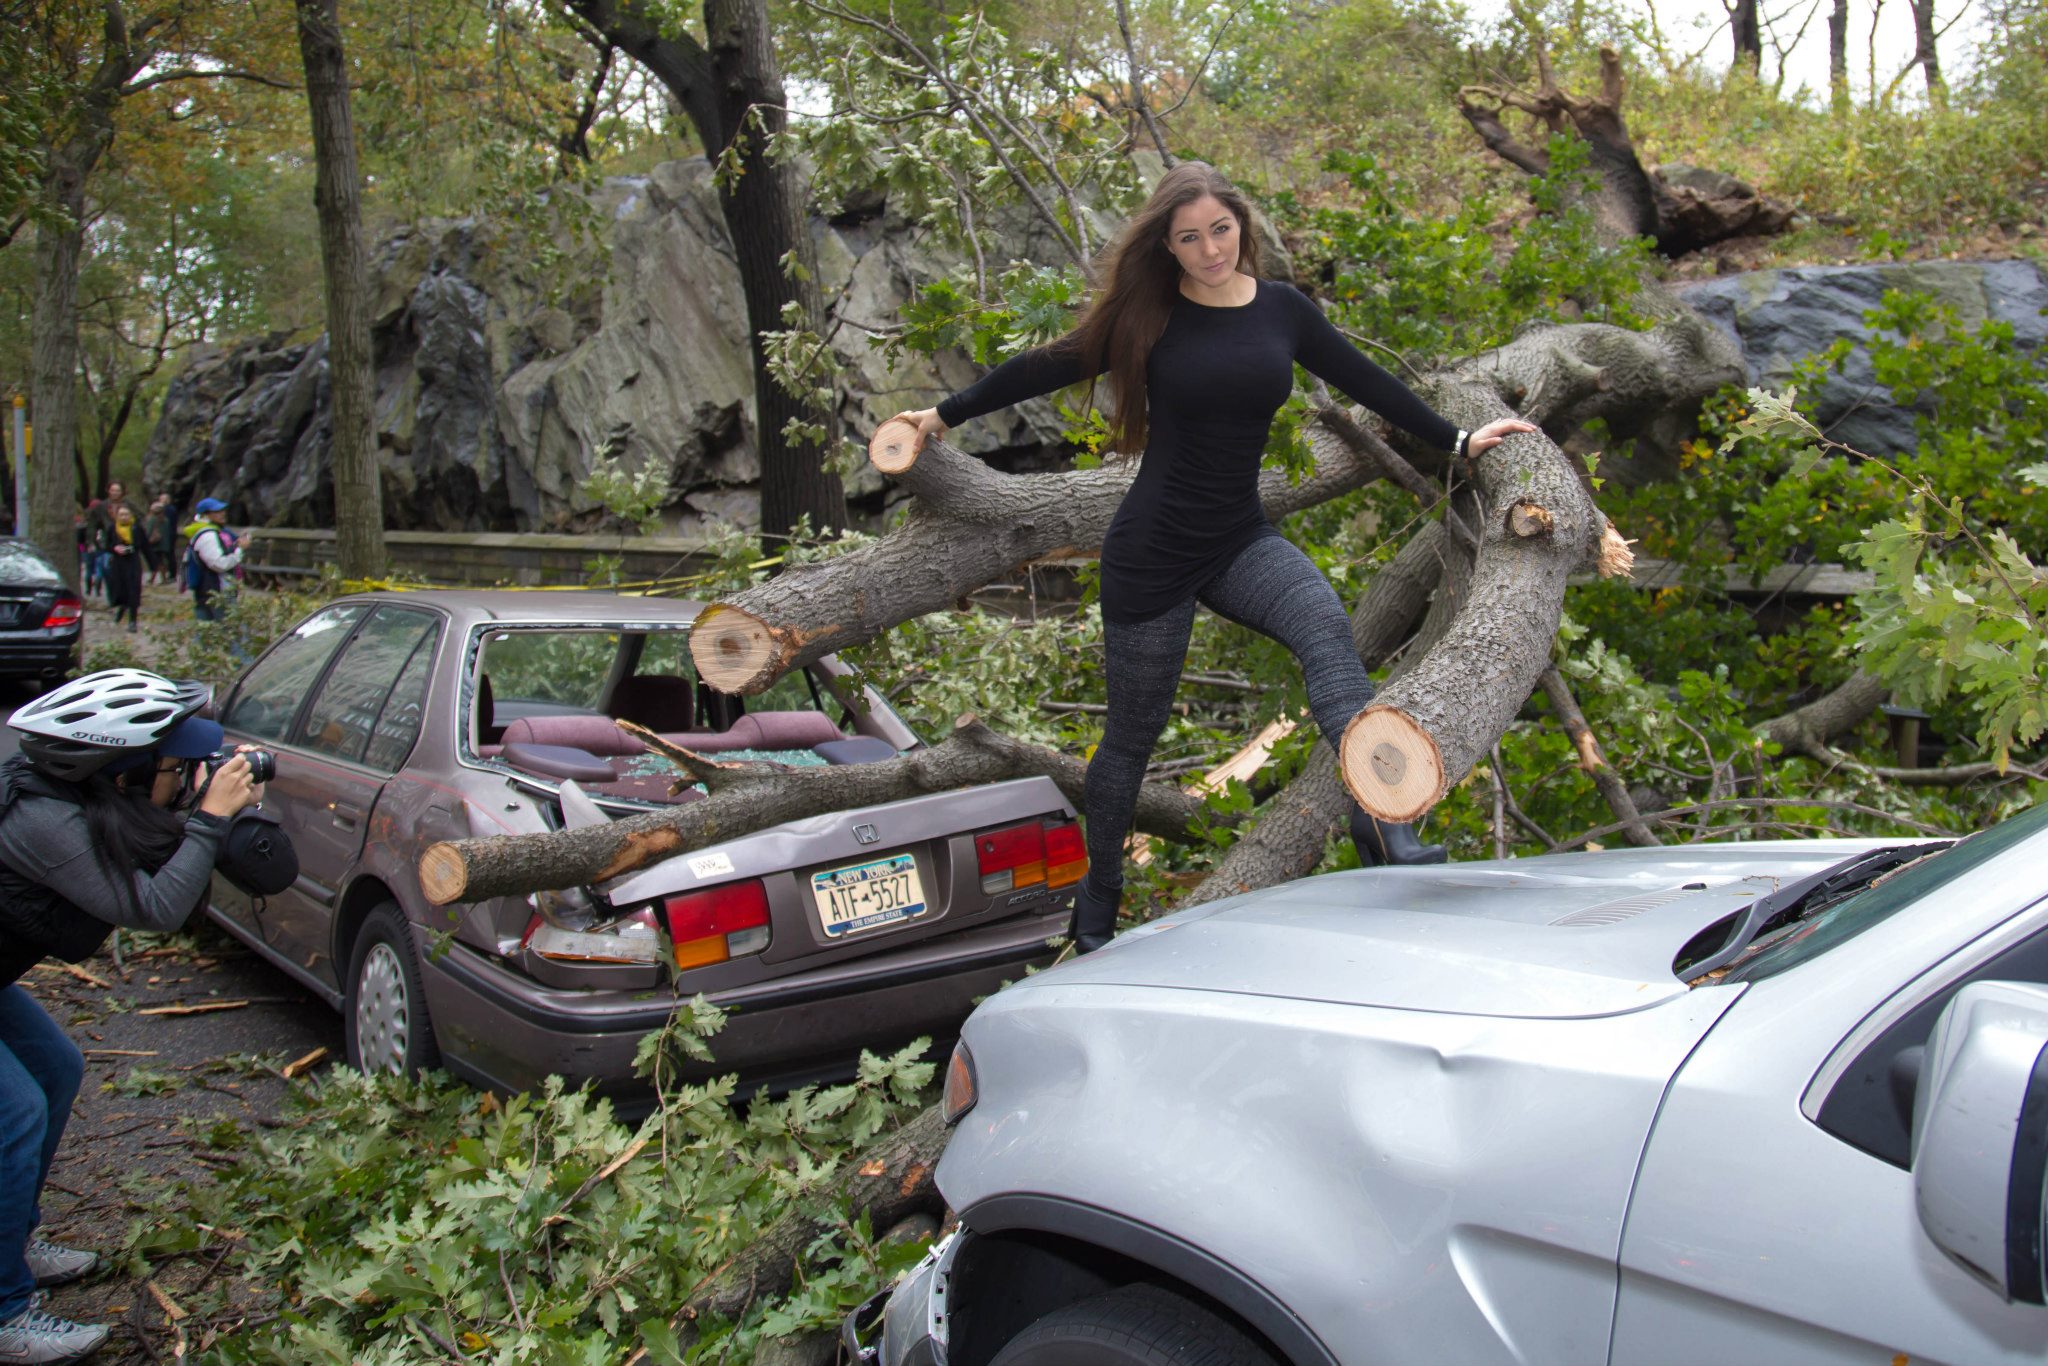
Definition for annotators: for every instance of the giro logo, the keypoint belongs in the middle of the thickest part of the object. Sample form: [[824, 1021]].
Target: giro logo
[[92, 739]]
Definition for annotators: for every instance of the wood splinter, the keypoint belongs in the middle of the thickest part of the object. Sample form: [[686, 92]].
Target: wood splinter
[[1529, 519]]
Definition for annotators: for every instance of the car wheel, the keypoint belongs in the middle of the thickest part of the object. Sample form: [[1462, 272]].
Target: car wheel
[[385, 1014], [1139, 1325]]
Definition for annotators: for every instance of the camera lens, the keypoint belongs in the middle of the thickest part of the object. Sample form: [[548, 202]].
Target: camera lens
[[262, 765]]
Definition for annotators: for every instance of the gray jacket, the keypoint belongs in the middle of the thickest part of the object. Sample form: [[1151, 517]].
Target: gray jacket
[[45, 840]]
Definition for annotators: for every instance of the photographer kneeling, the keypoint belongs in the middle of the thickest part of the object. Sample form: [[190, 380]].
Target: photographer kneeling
[[92, 836]]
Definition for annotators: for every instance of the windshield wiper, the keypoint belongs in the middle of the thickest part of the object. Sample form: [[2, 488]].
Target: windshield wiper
[[1810, 893]]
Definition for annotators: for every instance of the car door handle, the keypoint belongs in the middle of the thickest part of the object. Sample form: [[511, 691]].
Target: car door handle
[[345, 815]]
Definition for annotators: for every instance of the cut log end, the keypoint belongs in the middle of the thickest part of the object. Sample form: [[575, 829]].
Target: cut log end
[[1615, 560], [894, 446], [734, 650], [443, 874], [1529, 519], [1390, 764]]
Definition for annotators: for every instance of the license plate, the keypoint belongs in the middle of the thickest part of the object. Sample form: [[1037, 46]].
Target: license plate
[[867, 896]]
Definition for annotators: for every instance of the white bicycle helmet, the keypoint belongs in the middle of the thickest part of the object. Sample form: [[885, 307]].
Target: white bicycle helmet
[[76, 729]]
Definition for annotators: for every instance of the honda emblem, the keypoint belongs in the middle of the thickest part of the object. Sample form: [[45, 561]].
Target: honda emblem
[[866, 834]]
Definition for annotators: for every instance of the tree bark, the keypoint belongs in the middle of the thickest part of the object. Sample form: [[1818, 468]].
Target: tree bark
[[53, 381], [1924, 53], [1423, 733], [764, 214], [749, 797], [1812, 726], [1747, 34], [732, 92], [1838, 56], [337, 194]]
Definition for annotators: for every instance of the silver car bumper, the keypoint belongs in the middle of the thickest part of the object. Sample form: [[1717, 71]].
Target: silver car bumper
[[913, 1314]]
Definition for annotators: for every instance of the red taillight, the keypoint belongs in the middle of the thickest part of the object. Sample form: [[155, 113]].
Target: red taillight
[[1011, 858], [728, 921], [1066, 858], [64, 612]]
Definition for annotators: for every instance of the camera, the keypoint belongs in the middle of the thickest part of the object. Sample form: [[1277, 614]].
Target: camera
[[262, 763]]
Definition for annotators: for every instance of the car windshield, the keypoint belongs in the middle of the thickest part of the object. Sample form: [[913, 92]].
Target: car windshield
[[1834, 923]]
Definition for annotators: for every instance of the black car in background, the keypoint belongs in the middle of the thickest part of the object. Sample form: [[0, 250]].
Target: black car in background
[[40, 618]]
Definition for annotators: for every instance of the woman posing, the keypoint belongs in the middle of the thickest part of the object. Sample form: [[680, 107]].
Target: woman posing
[[87, 842], [1200, 355]]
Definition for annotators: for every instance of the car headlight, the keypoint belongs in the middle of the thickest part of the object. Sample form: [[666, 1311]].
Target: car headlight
[[962, 1087]]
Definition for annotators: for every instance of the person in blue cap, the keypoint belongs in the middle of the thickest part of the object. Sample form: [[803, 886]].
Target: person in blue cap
[[212, 556], [91, 837]]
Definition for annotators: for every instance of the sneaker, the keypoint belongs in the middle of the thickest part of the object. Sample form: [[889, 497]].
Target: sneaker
[[37, 1338], [55, 1264]]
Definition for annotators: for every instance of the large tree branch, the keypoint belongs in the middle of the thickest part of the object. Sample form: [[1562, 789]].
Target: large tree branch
[[971, 526], [750, 797]]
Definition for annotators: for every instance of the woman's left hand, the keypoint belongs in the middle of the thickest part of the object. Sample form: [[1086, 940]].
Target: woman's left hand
[[1489, 436]]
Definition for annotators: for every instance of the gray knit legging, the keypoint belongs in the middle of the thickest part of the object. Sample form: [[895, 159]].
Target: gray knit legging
[[1269, 586]]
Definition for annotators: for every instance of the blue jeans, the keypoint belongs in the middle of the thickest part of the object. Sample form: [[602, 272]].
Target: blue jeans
[[40, 1071]]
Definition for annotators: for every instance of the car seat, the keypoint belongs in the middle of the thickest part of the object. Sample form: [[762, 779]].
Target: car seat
[[660, 702]]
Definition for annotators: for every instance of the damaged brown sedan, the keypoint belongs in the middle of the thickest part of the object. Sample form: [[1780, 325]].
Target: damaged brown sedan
[[402, 719]]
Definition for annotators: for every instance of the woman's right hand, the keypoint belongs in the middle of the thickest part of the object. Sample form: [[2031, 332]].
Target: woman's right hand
[[926, 420], [233, 787]]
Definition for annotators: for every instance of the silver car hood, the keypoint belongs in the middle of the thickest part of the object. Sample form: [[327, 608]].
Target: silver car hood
[[1558, 937]]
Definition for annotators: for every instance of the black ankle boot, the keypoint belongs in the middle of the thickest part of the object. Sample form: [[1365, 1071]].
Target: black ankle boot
[[1094, 916], [1382, 842]]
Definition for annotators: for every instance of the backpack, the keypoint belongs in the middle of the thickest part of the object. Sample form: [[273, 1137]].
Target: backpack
[[36, 922], [197, 576]]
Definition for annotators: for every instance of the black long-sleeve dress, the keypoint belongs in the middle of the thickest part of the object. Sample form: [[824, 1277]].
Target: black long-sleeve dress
[[1215, 379]]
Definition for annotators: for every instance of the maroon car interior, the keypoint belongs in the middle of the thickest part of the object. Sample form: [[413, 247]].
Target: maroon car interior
[[606, 761]]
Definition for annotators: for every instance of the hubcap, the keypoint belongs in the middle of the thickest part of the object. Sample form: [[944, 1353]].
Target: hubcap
[[383, 1012]]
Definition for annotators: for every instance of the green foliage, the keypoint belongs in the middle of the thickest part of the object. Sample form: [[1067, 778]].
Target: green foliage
[[635, 497], [390, 1220], [1432, 286], [217, 651]]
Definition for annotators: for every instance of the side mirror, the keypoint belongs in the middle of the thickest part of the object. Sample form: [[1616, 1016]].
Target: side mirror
[[1980, 1136]]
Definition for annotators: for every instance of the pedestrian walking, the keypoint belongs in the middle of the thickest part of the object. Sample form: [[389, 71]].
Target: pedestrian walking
[[124, 544]]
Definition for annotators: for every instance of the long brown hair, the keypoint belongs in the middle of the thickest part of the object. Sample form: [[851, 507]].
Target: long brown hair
[[1137, 282]]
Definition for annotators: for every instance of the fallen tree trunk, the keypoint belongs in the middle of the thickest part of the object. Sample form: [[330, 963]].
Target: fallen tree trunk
[[971, 525], [1288, 840], [748, 797], [1681, 207]]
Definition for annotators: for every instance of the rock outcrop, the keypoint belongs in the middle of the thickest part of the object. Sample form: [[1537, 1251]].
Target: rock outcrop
[[494, 395], [494, 398], [1780, 316]]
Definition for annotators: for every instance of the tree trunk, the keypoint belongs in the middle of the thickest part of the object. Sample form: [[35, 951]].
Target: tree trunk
[[749, 797], [338, 195], [764, 214], [734, 99], [1288, 841], [1924, 53], [1747, 34], [53, 379], [1838, 56], [53, 384]]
